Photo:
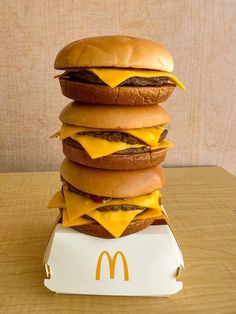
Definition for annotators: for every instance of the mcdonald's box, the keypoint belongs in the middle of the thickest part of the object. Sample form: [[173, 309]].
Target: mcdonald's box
[[147, 263]]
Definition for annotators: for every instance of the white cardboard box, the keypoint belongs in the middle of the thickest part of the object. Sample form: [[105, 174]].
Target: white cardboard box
[[146, 263]]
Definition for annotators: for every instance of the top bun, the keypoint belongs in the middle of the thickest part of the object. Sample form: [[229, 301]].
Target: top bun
[[110, 183], [113, 117], [114, 51]]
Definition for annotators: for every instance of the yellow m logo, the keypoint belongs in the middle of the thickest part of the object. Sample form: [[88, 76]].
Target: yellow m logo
[[112, 264]]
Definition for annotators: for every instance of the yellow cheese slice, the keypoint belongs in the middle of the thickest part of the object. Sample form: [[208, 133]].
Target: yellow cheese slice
[[68, 130], [114, 222], [163, 144], [114, 76], [150, 136], [102, 216], [98, 147], [76, 222], [149, 213], [57, 201], [78, 205]]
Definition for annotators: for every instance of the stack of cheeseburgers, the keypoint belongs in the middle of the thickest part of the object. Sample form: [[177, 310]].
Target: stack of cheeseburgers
[[113, 134]]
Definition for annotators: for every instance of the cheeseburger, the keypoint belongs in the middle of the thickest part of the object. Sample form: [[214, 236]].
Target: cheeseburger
[[114, 137], [117, 70], [106, 203]]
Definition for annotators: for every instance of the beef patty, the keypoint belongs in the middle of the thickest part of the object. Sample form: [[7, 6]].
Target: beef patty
[[103, 200], [89, 77], [116, 136], [132, 150]]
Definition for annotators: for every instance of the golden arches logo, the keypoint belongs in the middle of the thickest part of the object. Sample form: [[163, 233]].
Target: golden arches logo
[[112, 264]]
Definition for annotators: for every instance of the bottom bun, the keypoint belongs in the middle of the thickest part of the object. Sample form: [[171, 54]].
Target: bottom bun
[[120, 95], [116, 161], [97, 230]]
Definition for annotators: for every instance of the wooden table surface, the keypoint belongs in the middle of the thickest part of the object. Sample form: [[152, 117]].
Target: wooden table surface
[[201, 203]]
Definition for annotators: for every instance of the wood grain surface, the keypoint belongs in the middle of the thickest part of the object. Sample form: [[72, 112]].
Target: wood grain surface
[[201, 203], [200, 34]]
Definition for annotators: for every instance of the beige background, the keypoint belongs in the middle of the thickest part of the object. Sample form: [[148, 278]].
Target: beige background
[[200, 34]]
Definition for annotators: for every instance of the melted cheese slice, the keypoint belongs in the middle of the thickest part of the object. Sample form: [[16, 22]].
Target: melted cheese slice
[[150, 213], [76, 222], [163, 144], [115, 222], [114, 76], [150, 136], [98, 147], [76, 205], [68, 130], [57, 201]]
